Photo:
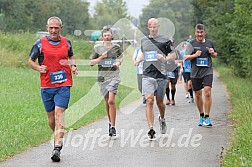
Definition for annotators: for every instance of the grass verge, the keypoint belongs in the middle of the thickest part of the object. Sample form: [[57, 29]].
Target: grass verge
[[240, 152]]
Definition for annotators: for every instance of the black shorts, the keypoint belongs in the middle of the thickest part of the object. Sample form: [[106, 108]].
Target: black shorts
[[200, 83], [186, 76], [174, 80]]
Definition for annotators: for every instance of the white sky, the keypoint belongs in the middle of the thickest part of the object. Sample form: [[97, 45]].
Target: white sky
[[134, 6]]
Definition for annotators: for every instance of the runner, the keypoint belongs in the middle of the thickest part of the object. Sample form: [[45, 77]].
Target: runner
[[173, 69], [155, 48], [186, 72], [202, 72], [139, 71], [108, 56], [55, 77]]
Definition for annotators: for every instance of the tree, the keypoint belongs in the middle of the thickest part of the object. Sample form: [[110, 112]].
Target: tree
[[108, 12], [179, 12], [29, 15]]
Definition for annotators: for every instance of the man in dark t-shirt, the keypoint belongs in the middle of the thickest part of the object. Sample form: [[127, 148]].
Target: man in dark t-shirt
[[202, 72], [155, 49]]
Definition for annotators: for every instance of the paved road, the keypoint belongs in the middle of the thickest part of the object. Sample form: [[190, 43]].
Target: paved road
[[185, 144]]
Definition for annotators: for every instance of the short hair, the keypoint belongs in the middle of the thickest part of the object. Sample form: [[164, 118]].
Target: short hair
[[55, 18], [200, 27], [107, 30]]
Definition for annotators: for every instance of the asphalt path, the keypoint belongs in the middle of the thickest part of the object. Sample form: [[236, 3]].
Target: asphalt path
[[184, 144]]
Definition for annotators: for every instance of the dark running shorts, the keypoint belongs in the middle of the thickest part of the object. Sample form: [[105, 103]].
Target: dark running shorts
[[186, 76], [200, 83]]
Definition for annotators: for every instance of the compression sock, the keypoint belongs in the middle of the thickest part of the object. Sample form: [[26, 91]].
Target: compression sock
[[173, 93], [191, 92], [167, 92]]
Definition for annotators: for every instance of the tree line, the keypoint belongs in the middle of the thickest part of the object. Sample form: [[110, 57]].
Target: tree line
[[228, 22]]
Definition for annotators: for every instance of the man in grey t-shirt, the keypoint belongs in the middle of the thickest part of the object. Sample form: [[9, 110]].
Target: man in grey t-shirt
[[202, 72], [108, 56]]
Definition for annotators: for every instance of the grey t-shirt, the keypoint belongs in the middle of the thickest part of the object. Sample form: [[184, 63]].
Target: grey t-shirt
[[105, 68], [200, 71]]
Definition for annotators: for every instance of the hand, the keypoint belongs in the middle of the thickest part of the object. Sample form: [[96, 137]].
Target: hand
[[160, 57], [104, 55], [136, 63], [74, 70], [116, 65], [198, 53], [211, 50], [42, 69]]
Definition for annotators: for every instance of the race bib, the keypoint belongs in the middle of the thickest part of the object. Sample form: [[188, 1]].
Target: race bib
[[58, 76], [171, 75], [150, 56], [203, 62], [107, 62]]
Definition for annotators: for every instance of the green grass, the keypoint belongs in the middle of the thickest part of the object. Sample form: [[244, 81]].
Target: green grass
[[240, 152], [23, 120]]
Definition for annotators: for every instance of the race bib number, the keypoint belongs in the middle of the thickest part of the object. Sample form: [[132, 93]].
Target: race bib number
[[150, 56], [171, 75], [107, 62], [58, 77], [203, 62]]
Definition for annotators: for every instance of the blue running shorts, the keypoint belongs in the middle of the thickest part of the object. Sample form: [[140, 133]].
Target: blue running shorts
[[52, 97]]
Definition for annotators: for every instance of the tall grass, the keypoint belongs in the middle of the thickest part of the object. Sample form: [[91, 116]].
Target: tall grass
[[15, 48]]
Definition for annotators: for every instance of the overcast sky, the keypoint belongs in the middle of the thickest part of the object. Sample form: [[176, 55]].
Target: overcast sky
[[134, 6]]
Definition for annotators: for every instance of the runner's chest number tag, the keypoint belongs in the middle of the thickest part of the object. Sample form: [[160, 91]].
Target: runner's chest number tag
[[58, 76], [107, 62], [203, 62], [150, 56], [171, 75]]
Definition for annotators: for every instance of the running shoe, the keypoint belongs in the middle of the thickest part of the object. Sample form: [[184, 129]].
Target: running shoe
[[187, 96], [55, 155], [151, 134], [191, 100], [112, 132], [207, 122], [172, 102], [201, 121], [162, 125]]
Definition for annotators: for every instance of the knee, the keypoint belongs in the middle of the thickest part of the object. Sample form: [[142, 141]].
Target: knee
[[207, 94], [150, 101], [111, 102], [160, 104], [173, 86], [198, 95]]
